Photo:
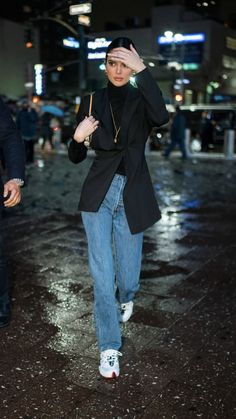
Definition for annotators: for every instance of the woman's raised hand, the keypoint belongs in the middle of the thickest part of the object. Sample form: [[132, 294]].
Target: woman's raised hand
[[85, 128], [128, 57]]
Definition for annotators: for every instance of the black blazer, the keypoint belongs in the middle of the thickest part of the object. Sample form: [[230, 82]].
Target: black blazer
[[144, 108], [11, 147]]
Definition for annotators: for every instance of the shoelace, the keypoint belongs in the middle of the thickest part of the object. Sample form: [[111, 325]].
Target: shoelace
[[124, 307], [112, 358]]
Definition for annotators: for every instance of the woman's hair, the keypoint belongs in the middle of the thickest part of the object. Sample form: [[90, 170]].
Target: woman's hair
[[122, 41]]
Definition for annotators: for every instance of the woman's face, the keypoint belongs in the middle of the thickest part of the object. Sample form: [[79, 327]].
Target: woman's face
[[117, 72]]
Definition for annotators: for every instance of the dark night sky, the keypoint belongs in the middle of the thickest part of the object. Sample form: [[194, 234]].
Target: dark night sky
[[117, 11], [103, 10]]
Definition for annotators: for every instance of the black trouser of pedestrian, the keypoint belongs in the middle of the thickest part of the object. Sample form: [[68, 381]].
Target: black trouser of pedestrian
[[49, 139], [204, 143], [29, 151], [176, 142], [4, 280]]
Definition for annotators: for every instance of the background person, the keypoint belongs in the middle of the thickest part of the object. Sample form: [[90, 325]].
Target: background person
[[117, 200], [177, 133], [206, 131], [12, 149], [46, 130], [26, 121]]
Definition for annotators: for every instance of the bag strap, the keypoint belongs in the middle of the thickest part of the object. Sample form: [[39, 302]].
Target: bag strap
[[90, 104], [87, 140]]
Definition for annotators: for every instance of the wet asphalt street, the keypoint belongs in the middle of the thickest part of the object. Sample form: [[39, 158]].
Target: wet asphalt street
[[179, 352]]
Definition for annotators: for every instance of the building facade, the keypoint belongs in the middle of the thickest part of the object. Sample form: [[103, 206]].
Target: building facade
[[196, 64], [17, 61]]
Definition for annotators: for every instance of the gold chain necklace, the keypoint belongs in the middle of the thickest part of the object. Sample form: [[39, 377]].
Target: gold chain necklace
[[117, 130]]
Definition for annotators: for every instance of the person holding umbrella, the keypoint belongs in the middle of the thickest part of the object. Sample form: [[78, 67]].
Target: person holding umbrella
[[46, 130]]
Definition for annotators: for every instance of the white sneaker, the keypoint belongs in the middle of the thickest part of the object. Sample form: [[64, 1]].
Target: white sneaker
[[109, 363], [126, 311]]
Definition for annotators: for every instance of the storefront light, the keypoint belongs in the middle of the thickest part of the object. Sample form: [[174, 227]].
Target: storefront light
[[168, 34], [181, 38], [38, 79]]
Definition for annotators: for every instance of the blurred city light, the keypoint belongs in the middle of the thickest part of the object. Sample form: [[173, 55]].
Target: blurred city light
[[35, 99], [168, 34], [180, 81], [84, 20], [29, 44], [39, 79], [78, 9], [179, 38], [178, 97], [28, 38], [99, 43], [70, 42], [132, 80]]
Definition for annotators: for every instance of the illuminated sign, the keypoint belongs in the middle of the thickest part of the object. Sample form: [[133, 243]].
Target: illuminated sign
[[97, 48], [39, 79], [96, 55], [185, 49], [70, 42], [181, 39], [98, 43], [84, 20], [190, 66], [78, 9]]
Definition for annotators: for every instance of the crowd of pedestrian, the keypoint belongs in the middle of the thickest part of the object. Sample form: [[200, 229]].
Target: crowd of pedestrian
[[40, 126]]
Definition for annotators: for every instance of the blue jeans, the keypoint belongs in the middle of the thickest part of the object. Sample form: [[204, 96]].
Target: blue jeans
[[115, 261]]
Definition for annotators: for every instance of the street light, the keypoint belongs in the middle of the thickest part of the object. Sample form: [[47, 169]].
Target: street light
[[81, 10]]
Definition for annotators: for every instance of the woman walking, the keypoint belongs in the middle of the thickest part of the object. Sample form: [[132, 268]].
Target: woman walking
[[117, 200]]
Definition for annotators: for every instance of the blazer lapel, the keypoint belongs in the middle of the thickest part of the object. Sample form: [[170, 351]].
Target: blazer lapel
[[102, 109]]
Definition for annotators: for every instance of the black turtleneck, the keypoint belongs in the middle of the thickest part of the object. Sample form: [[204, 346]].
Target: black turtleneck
[[117, 96]]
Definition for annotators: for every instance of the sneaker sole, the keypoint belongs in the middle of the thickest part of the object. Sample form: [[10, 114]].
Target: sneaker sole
[[125, 320], [109, 377]]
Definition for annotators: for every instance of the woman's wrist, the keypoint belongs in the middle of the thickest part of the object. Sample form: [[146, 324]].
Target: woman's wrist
[[78, 139], [72, 142], [140, 68]]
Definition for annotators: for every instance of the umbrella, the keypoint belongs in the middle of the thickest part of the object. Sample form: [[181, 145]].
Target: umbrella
[[54, 110]]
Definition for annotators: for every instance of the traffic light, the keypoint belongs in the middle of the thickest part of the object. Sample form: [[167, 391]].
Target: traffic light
[[28, 38]]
